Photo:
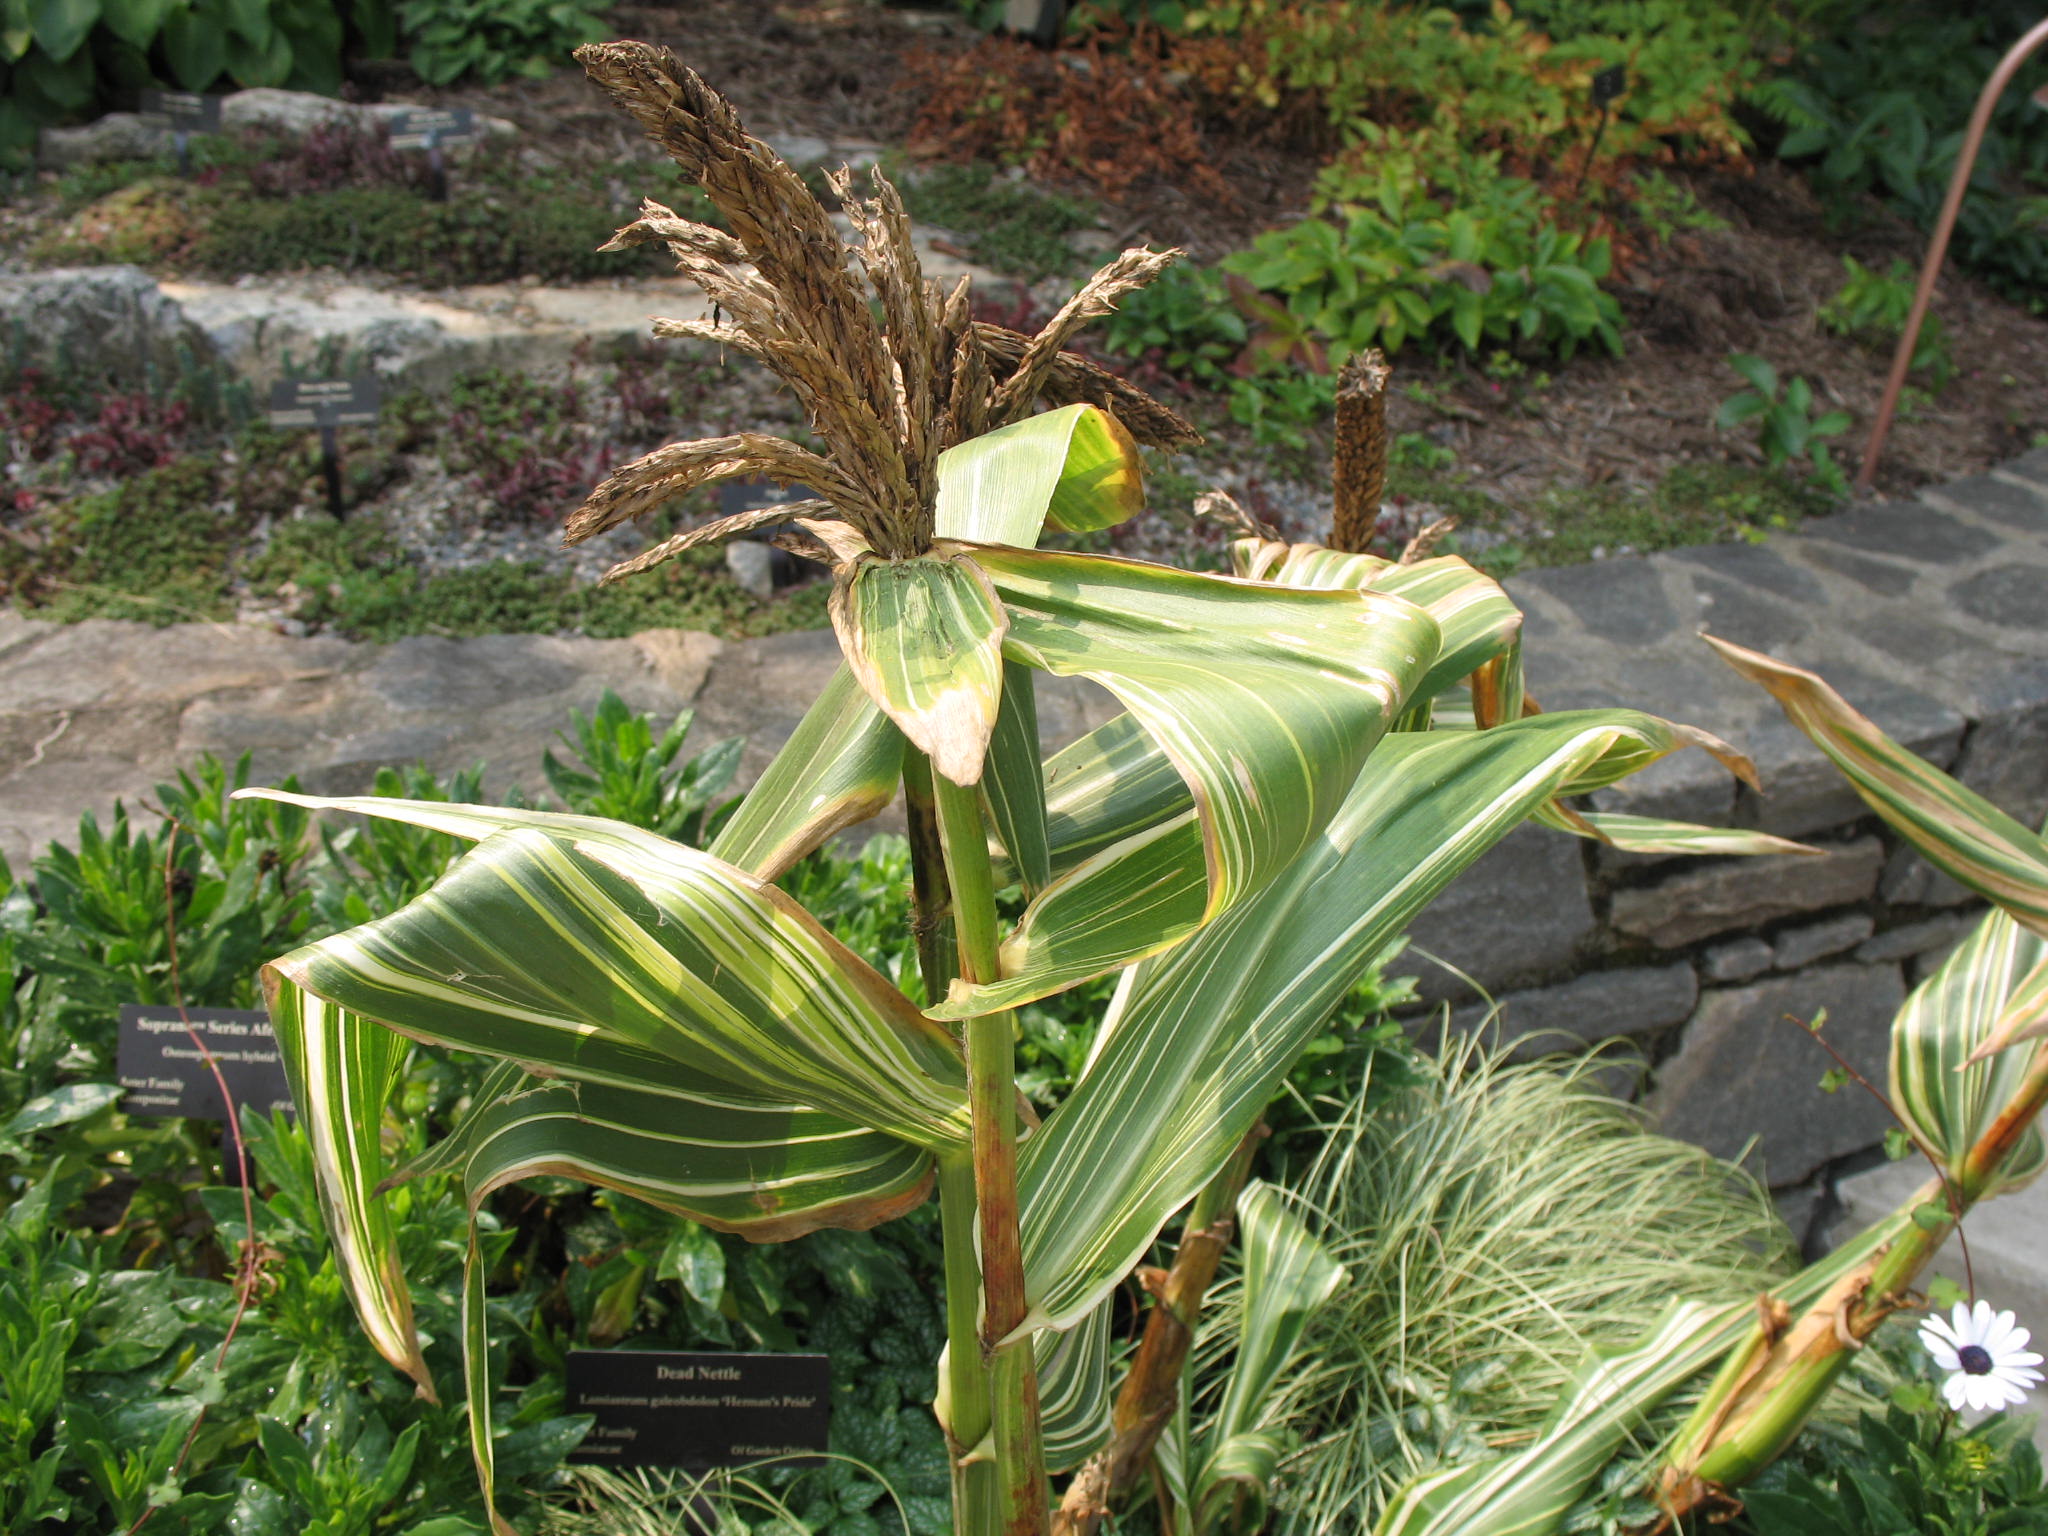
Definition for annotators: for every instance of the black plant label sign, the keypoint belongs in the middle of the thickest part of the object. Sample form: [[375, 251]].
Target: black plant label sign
[[1610, 84], [431, 127], [165, 1072], [665, 1408], [325, 402], [185, 111]]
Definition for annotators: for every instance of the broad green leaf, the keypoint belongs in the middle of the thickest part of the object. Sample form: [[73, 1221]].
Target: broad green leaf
[[839, 768], [545, 947], [1074, 1397], [1267, 721], [1013, 788], [135, 22], [1648, 834], [195, 43], [1208, 1030], [60, 26], [924, 638], [1075, 467], [61, 1106], [1944, 1021], [342, 1069], [1956, 830]]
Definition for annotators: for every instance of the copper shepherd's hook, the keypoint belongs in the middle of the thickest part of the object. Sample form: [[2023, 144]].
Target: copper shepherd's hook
[[1930, 268]]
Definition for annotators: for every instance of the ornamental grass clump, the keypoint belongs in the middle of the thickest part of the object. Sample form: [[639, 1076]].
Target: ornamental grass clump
[[1277, 800], [1497, 1221]]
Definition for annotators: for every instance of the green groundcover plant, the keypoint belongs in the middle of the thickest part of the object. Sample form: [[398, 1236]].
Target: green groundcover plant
[[1311, 748]]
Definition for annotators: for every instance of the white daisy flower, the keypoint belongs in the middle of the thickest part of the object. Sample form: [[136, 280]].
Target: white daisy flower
[[1986, 1354]]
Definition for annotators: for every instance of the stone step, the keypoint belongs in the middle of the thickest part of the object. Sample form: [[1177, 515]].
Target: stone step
[[123, 324]]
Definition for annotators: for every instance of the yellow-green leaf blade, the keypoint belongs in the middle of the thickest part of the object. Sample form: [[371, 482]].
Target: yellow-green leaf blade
[[1266, 717], [1076, 467], [342, 1069], [1955, 829], [924, 638], [1650, 834], [1944, 1023], [544, 949], [1207, 1030], [840, 767], [769, 1172]]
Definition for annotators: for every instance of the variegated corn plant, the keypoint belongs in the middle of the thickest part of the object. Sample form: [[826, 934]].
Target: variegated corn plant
[[1310, 750], [1969, 1079]]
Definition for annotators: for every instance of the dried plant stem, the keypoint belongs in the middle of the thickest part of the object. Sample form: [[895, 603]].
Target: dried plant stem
[[932, 912], [1360, 460], [1151, 1390], [992, 1096]]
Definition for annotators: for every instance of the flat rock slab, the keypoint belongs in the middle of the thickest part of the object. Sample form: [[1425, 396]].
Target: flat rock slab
[[105, 710]]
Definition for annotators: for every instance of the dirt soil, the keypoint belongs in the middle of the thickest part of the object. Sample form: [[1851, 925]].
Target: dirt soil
[[834, 70]]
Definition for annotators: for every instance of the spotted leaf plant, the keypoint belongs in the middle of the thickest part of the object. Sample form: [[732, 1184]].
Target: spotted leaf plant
[[1269, 809]]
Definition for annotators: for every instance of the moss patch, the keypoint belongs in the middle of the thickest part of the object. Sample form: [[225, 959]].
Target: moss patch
[[1012, 227], [155, 548]]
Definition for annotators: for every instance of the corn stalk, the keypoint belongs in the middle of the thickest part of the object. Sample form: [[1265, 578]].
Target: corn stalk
[[1268, 811]]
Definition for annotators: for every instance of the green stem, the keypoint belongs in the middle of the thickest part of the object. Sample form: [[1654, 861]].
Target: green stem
[[967, 1413], [1769, 1387], [992, 1095]]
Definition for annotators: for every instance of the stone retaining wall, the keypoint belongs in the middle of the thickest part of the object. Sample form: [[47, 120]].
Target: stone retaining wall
[[1932, 616]]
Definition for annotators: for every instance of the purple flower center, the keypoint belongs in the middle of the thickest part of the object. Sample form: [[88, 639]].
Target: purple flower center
[[1975, 1360]]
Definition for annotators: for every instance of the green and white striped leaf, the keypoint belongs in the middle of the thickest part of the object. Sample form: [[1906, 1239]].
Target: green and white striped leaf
[[1648, 834], [1956, 830], [1267, 721], [1527, 1493], [1478, 619], [342, 1069], [1304, 565], [924, 638], [548, 949], [1013, 788], [1074, 1399], [1076, 467], [1530, 1491], [473, 822], [1206, 1031], [1111, 784], [2025, 1016], [840, 767], [1944, 1022], [1288, 1275], [769, 1172], [476, 1380]]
